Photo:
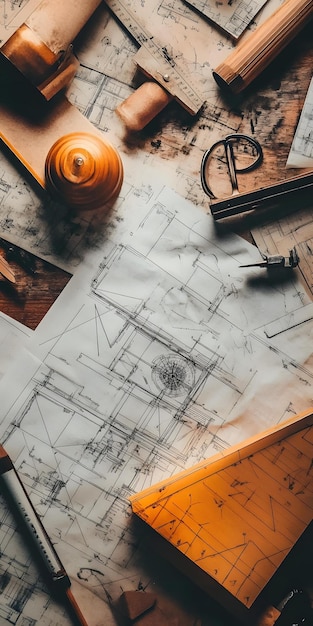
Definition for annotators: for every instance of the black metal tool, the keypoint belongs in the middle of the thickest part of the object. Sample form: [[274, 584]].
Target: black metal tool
[[277, 261]]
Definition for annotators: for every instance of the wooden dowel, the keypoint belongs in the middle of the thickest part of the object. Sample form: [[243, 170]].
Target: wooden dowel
[[255, 53]]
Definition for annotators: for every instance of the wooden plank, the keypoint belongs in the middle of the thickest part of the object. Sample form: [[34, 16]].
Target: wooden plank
[[237, 516]]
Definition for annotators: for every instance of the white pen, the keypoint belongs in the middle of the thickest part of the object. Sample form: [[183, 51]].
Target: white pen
[[52, 569]]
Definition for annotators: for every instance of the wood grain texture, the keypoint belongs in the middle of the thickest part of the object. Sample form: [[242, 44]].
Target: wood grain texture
[[33, 293], [254, 53]]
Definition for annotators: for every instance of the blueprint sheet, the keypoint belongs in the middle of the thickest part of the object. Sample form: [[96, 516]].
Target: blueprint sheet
[[159, 352], [106, 76], [301, 151], [233, 17]]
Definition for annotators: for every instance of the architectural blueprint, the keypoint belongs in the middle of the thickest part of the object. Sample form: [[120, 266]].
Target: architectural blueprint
[[158, 353], [161, 350], [233, 17], [301, 151]]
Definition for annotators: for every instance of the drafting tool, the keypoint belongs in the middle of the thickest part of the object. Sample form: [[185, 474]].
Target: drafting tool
[[233, 17], [6, 270], [156, 60], [52, 568], [231, 520], [287, 192], [256, 52], [246, 144], [295, 608], [37, 120], [276, 261]]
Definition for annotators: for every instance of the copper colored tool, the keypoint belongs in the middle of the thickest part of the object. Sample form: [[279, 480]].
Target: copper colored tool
[[61, 149], [41, 48], [83, 171]]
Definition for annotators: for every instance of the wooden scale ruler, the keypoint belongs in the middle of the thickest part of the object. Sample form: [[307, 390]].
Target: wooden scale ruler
[[155, 60]]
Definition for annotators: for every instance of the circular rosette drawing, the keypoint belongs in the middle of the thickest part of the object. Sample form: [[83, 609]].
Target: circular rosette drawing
[[173, 374]]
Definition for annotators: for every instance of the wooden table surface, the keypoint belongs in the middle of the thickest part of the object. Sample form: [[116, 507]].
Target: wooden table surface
[[37, 285]]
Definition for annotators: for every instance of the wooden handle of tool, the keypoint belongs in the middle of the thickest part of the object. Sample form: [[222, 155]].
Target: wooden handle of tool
[[57, 23], [143, 105], [253, 54]]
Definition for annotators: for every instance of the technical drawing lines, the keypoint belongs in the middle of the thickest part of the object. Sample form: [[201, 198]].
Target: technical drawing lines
[[141, 370], [234, 18], [12, 14]]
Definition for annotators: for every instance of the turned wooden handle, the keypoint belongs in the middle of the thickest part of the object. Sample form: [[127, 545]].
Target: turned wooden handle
[[253, 54], [143, 105]]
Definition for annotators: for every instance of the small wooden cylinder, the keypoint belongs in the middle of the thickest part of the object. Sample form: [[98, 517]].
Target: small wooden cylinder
[[255, 53], [143, 105]]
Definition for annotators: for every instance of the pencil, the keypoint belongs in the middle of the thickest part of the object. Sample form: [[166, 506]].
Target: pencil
[[52, 569]]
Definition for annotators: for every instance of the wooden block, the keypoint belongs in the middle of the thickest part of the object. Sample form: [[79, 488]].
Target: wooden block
[[134, 604], [230, 521]]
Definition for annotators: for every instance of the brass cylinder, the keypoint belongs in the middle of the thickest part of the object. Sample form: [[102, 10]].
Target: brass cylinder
[[250, 57], [41, 48], [83, 171]]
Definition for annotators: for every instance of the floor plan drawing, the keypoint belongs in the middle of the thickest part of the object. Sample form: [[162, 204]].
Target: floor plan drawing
[[233, 18], [22, 590], [147, 369]]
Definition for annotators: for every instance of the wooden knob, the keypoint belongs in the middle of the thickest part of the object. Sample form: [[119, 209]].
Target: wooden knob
[[83, 171]]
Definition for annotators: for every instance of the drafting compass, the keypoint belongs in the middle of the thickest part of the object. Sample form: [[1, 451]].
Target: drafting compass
[[277, 261]]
